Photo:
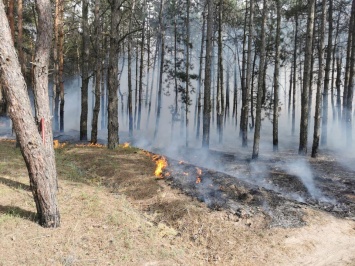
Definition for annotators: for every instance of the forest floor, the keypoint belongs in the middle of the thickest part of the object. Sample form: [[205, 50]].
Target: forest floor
[[114, 211]]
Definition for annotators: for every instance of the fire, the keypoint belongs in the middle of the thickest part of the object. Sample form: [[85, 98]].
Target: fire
[[57, 144], [199, 174], [126, 145], [161, 165], [91, 144]]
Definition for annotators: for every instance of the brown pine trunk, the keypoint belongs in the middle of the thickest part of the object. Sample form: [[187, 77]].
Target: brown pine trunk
[[161, 70], [96, 111], [261, 82], [246, 98], [318, 110], [187, 99], [199, 88], [306, 75], [38, 154], [112, 124], [84, 71], [327, 78], [61, 64], [351, 82], [207, 84], [275, 126]]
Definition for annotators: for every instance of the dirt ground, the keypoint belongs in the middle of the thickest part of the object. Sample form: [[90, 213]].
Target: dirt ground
[[114, 211]]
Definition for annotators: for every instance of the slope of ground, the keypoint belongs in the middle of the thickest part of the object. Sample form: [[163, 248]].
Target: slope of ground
[[115, 212]]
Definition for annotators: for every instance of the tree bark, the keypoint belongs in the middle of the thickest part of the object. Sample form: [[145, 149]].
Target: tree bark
[[327, 77], [187, 67], [112, 125], [246, 96], [162, 54], [207, 83], [306, 75], [61, 64], [85, 71], [260, 84], [318, 110], [38, 155], [351, 82], [275, 125], [96, 111]]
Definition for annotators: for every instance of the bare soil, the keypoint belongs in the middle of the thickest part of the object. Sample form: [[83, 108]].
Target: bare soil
[[114, 211]]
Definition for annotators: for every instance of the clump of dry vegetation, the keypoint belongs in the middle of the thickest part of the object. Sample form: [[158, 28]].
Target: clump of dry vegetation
[[115, 212]]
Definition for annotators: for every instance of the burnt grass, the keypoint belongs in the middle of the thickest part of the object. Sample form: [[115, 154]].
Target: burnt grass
[[245, 188]]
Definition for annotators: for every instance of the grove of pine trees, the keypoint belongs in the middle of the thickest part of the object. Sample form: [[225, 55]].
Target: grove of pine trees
[[159, 64]]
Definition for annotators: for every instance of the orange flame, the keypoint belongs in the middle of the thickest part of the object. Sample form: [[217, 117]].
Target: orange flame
[[161, 165], [198, 177], [91, 144], [57, 144], [126, 145]]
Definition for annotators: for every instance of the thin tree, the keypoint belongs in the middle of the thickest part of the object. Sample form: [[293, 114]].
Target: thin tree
[[327, 76], [246, 92], [306, 75], [207, 83], [85, 71], [351, 82], [318, 110], [112, 123], [275, 126], [96, 111], [162, 54], [187, 92], [260, 83], [37, 153]]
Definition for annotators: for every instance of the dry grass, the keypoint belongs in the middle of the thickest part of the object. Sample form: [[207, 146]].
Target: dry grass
[[115, 212]]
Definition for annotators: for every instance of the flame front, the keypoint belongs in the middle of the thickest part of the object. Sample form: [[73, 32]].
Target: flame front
[[91, 144], [126, 144], [161, 164], [57, 144], [199, 174]]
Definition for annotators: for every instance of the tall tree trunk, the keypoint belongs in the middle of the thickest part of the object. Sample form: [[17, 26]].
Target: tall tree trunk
[[245, 99], [112, 123], [327, 77], [129, 73], [306, 75], [261, 82], [141, 67], [199, 90], [61, 64], [85, 71], [338, 85], [162, 54], [293, 130], [351, 82], [243, 72], [55, 101], [207, 84], [38, 154], [96, 111], [318, 111], [187, 92], [275, 125], [347, 68], [220, 96]]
